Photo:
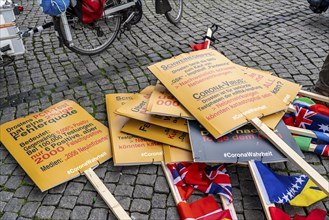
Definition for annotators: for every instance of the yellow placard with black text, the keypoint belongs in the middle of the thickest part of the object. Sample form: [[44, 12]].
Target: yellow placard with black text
[[57, 144]]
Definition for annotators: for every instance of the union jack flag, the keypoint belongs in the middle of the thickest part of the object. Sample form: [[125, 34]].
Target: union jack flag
[[303, 117], [207, 179]]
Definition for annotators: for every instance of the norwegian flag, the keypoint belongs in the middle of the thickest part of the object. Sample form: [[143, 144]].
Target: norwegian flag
[[208, 179]]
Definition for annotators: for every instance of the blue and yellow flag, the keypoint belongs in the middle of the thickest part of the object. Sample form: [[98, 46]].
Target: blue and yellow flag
[[293, 190]]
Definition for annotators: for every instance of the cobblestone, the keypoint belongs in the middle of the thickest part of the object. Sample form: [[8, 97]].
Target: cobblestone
[[283, 37]]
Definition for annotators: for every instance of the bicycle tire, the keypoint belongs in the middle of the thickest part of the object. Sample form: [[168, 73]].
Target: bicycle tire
[[175, 14], [85, 38]]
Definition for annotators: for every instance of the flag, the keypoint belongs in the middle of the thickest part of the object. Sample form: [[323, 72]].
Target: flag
[[308, 119], [294, 190], [201, 46], [315, 214], [322, 150], [311, 116], [311, 105], [207, 179], [305, 144], [203, 209]]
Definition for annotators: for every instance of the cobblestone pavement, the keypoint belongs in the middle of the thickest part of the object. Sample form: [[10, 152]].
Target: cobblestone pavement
[[282, 36]]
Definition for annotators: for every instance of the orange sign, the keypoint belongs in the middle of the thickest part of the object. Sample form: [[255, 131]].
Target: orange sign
[[57, 144]]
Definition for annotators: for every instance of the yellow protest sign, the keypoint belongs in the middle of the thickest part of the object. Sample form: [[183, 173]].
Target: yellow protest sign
[[57, 144], [215, 91], [136, 109], [162, 102]]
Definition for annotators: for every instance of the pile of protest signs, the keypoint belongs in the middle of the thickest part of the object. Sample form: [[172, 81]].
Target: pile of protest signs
[[205, 111]]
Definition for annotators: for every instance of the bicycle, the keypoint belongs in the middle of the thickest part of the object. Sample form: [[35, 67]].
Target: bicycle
[[95, 37]]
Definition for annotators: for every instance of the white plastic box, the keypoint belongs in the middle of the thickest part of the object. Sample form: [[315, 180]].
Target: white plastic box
[[9, 35]]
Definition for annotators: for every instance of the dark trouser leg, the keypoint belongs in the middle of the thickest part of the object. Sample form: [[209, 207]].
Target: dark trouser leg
[[322, 85]]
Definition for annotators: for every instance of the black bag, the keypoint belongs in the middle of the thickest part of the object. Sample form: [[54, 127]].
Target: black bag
[[162, 6], [318, 6]]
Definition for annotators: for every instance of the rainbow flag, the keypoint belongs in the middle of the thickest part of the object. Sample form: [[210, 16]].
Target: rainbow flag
[[294, 190]]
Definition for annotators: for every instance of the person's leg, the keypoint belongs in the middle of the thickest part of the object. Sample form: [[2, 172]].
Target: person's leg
[[322, 85]]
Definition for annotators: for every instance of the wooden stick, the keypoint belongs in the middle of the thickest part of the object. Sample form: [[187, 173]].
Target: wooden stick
[[7, 25], [292, 155], [108, 198], [260, 191], [228, 206], [170, 183], [314, 96], [301, 131]]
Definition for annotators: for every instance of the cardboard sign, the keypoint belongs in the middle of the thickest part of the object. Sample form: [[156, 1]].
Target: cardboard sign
[[128, 149], [217, 93], [57, 144], [136, 109], [283, 89], [241, 145], [176, 155], [162, 102], [156, 133]]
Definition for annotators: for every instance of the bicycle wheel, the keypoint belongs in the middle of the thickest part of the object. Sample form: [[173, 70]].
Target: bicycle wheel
[[93, 38], [175, 14]]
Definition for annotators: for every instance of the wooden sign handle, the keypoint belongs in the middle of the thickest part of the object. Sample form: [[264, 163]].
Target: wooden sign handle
[[169, 181], [260, 191], [108, 198], [291, 155], [229, 206], [301, 131], [314, 96]]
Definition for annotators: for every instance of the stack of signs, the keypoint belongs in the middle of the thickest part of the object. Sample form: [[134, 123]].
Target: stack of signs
[[59, 144], [143, 140], [223, 97]]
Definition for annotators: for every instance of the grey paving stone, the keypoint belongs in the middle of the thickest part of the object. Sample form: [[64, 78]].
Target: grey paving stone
[[2, 206], [13, 182], [139, 216], [45, 212], [29, 209], [6, 196], [97, 214], [254, 214], [127, 179], [68, 202], [172, 213], [80, 212], [143, 192], [73, 189], [140, 205], [159, 200], [161, 185], [61, 214], [112, 177], [14, 205], [36, 195], [158, 214], [86, 198], [145, 179], [51, 199], [3, 180], [7, 169], [123, 190], [252, 203], [248, 188], [9, 216]]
